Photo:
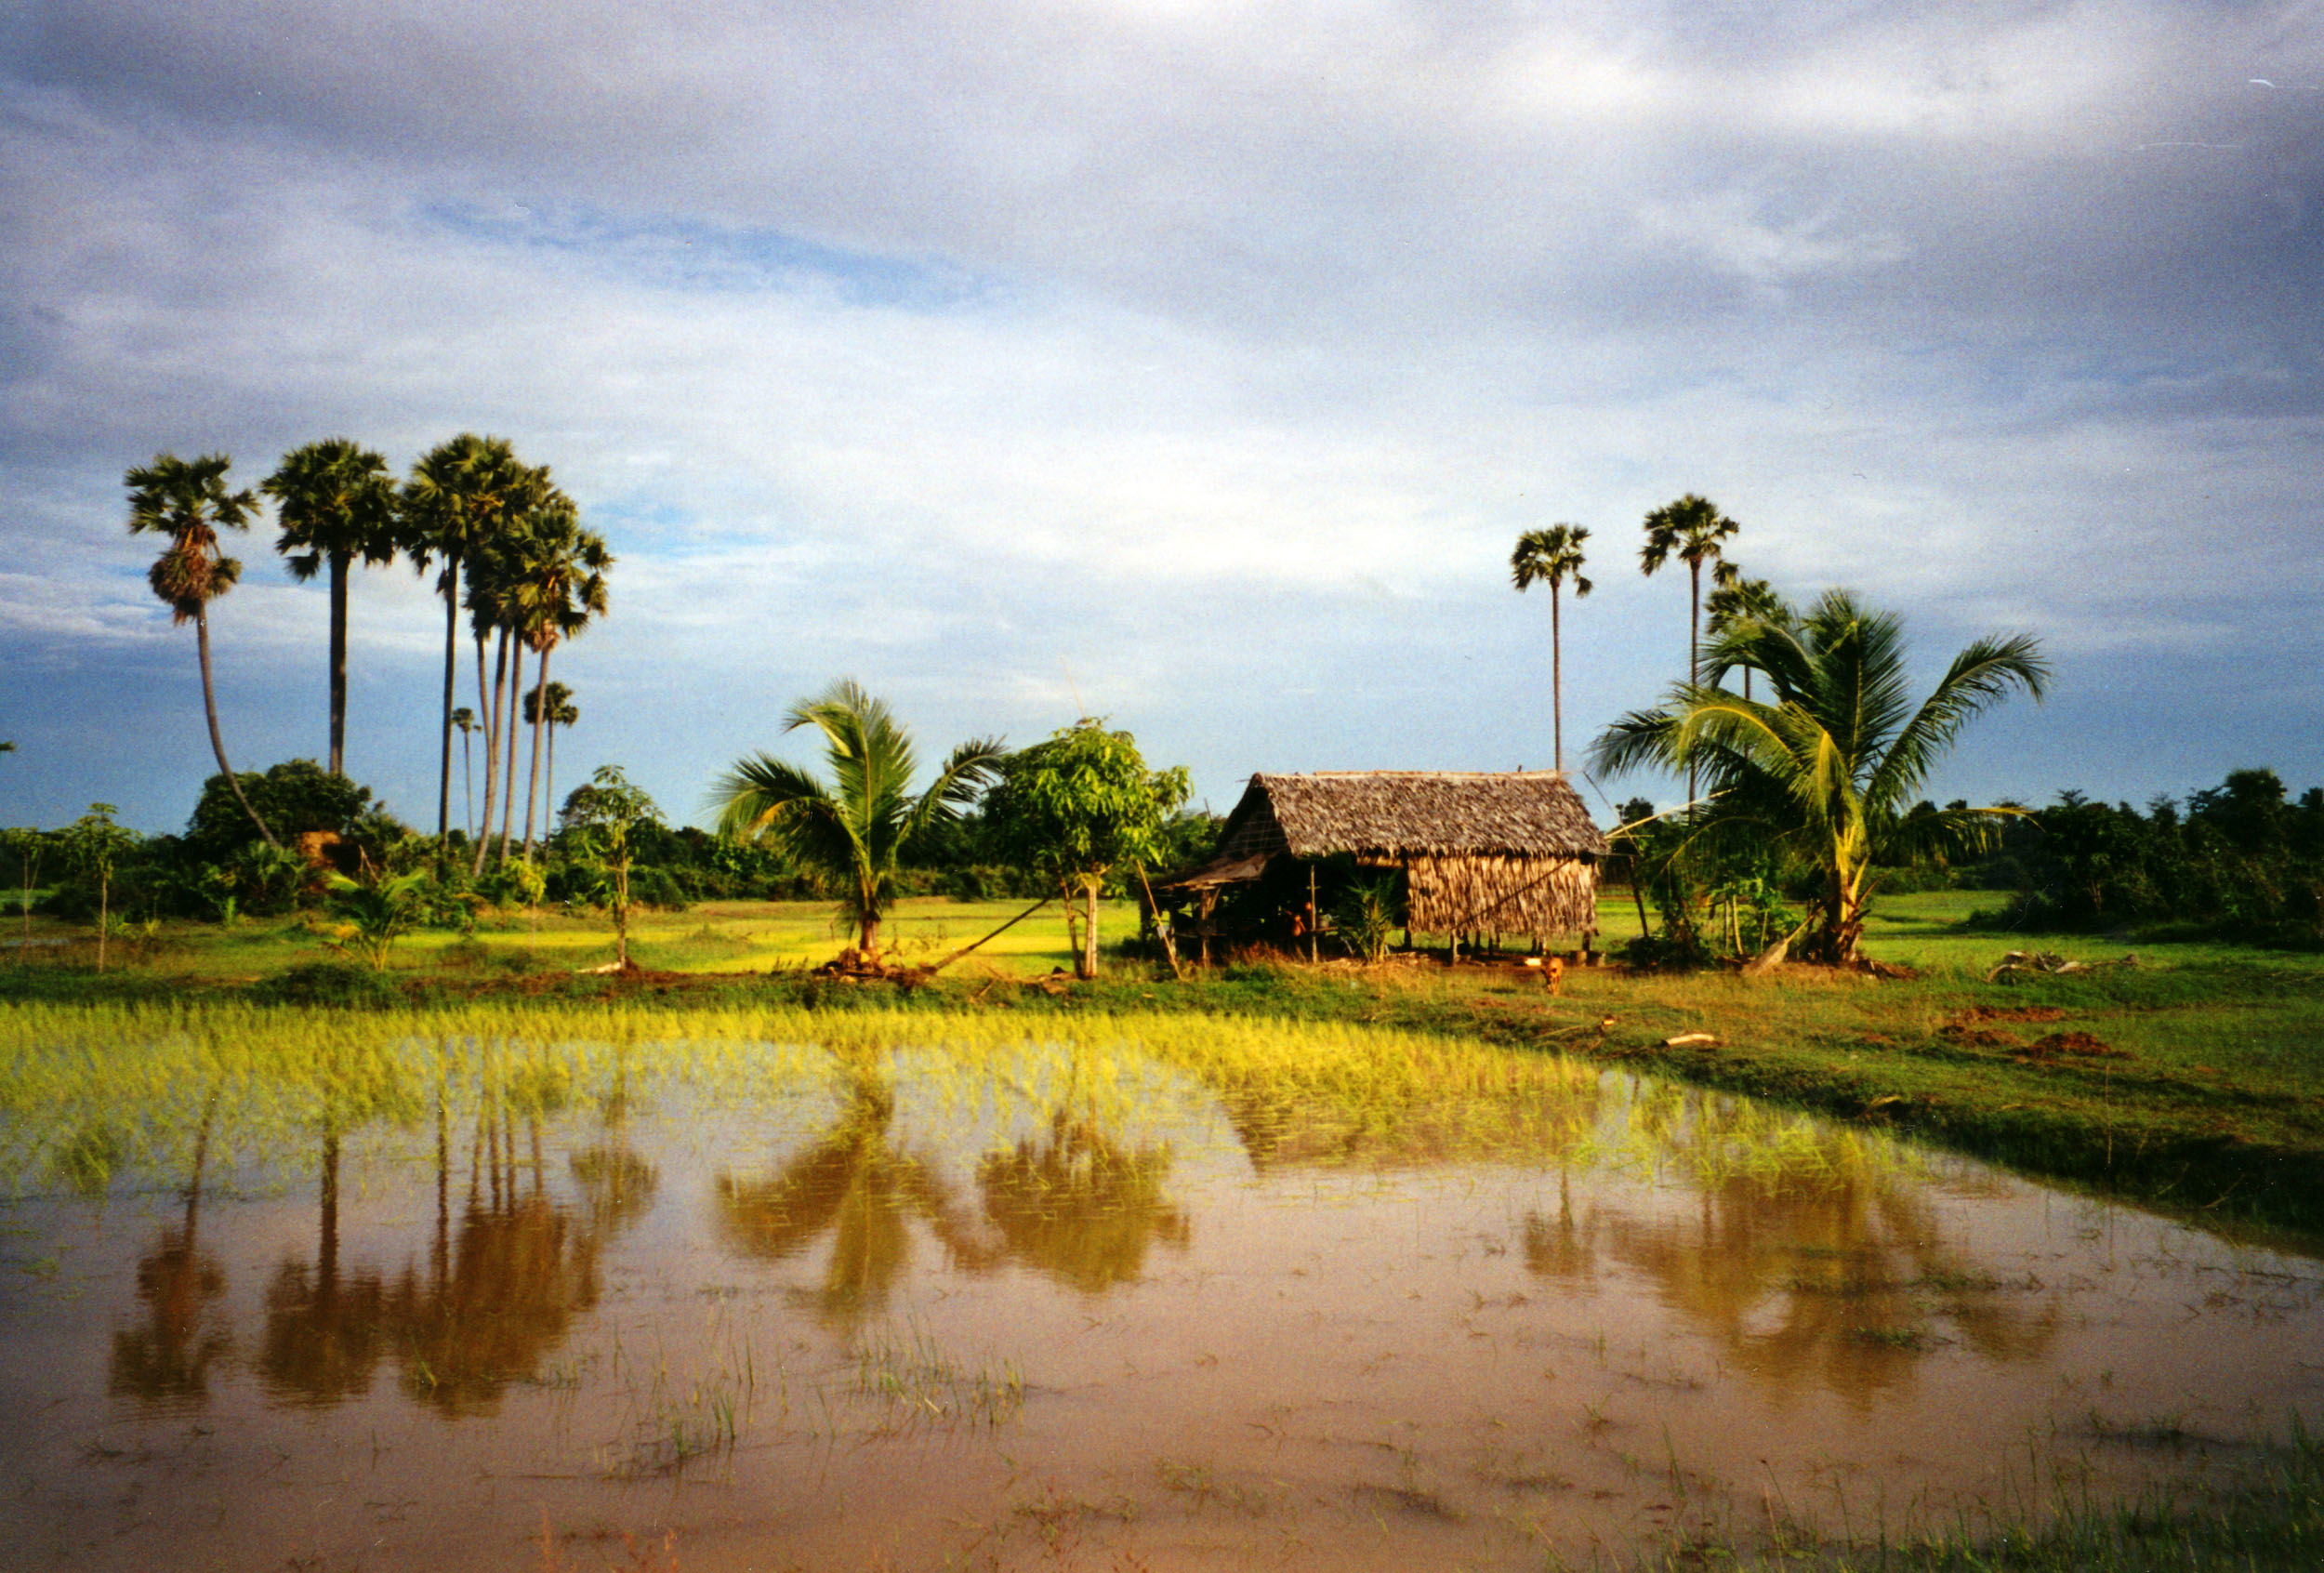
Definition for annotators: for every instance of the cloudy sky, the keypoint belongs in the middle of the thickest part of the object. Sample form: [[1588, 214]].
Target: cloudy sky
[[1190, 363]]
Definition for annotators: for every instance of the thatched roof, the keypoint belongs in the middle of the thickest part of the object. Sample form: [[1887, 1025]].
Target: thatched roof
[[1403, 813]]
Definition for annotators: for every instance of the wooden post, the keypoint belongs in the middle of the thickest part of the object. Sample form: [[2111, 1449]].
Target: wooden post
[[1314, 945]]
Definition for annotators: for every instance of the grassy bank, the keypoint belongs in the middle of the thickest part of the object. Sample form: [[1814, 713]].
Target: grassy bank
[[2193, 1079]]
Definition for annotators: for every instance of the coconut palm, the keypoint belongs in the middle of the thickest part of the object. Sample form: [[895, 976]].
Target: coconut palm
[[849, 833], [461, 494], [1551, 557], [337, 503], [188, 501], [1830, 769]]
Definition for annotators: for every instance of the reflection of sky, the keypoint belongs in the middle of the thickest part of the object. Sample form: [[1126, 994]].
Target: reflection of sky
[[1102, 357]]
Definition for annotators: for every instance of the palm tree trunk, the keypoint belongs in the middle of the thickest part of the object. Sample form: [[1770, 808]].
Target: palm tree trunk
[[540, 706], [338, 662], [488, 704], [508, 791], [467, 780], [451, 664], [548, 786], [218, 740], [1557, 684], [1693, 658], [104, 892]]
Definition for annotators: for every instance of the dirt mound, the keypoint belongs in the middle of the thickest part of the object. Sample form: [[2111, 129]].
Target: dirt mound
[[1976, 1038], [2011, 1013], [2081, 1045]]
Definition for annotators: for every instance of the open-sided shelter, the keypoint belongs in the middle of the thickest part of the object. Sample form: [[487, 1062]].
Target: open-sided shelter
[[1509, 852]]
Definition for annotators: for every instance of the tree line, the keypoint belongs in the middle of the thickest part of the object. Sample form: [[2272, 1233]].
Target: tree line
[[508, 548]]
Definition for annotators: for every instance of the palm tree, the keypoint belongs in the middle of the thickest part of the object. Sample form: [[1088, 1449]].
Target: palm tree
[[1739, 600], [460, 496], [850, 834], [186, 500], [1551, 557], [1691, 529], [1829, 771], [554, 710], [337, 503], [465, 719], [559, 586]]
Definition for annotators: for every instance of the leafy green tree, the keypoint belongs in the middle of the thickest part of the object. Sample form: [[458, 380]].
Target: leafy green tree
[[461, 495], [337, 503], [94, 845], [608, 814], [1078, 806], [188, 501], [298, 796], [25, 847], [1829, 770], [849, 835], [1551, 557]]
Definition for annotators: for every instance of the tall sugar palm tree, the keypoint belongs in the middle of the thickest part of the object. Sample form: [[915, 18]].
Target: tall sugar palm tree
[[850, 833], [1551, 557], [337, 503], [188, 501], [1738, 599], [1830, 769], [1689, 529], [559, 586], [549, 704], [460, 496], [464, 720]]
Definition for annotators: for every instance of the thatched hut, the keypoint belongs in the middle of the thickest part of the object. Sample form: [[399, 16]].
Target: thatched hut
[[1479, 853]]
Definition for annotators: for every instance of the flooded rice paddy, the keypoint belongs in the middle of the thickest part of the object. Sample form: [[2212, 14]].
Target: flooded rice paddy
[[854, 1292]]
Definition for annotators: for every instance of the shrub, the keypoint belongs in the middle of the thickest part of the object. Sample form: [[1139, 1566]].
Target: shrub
[[324, 983]]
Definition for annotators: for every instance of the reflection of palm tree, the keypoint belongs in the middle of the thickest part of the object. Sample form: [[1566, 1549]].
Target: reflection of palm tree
[[501, 1291], [167, 1362], [323, 1335], [1078, 1208], [858, 1188], [1821, 1273]]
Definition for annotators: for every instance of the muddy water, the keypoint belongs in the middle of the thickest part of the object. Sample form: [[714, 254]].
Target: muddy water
[[1061, 1308]]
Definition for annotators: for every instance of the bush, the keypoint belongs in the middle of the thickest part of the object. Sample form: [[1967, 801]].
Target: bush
[[324, 983]]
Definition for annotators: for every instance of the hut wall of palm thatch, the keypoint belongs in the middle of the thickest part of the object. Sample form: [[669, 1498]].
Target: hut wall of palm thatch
[[1506, 852]]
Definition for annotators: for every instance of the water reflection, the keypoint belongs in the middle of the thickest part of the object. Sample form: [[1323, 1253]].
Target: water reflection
[[323, 1334], [1078, 1205], [165, 1363], [857, 1185], [1815, 1261], [503, 1291]]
